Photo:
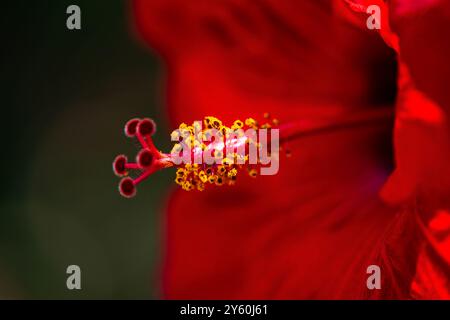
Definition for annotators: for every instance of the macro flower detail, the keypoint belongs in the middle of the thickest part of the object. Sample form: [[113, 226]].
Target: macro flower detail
[[206, 152], [211, 153]]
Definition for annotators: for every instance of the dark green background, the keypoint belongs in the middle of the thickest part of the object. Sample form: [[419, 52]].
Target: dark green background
[[66, 95]]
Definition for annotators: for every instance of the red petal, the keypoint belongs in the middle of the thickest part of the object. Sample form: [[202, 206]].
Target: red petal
[[312, 230], [239, 58], [424, 45], [309, 232], [355, 11]]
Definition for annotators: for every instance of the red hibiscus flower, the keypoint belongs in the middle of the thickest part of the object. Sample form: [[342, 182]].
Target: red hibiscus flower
[[343, 201]]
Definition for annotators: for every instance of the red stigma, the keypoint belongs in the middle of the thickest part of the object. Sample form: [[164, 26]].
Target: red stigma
[[130, 127], [127, 187], [146, 127], [148, 159], [119, 167], [144, 158]]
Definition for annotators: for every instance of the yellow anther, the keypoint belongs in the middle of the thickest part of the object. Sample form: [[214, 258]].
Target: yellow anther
[[213, 122], [221, 169], [219, 181], [232, 173], [203, 177], [188, 185], [253, 173], [251, 123], [200, 186], [238, 124], [227, 161], [216, 124], [192, 176]]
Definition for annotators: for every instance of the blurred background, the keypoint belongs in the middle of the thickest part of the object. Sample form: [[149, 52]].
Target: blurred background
[[66, 96]]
